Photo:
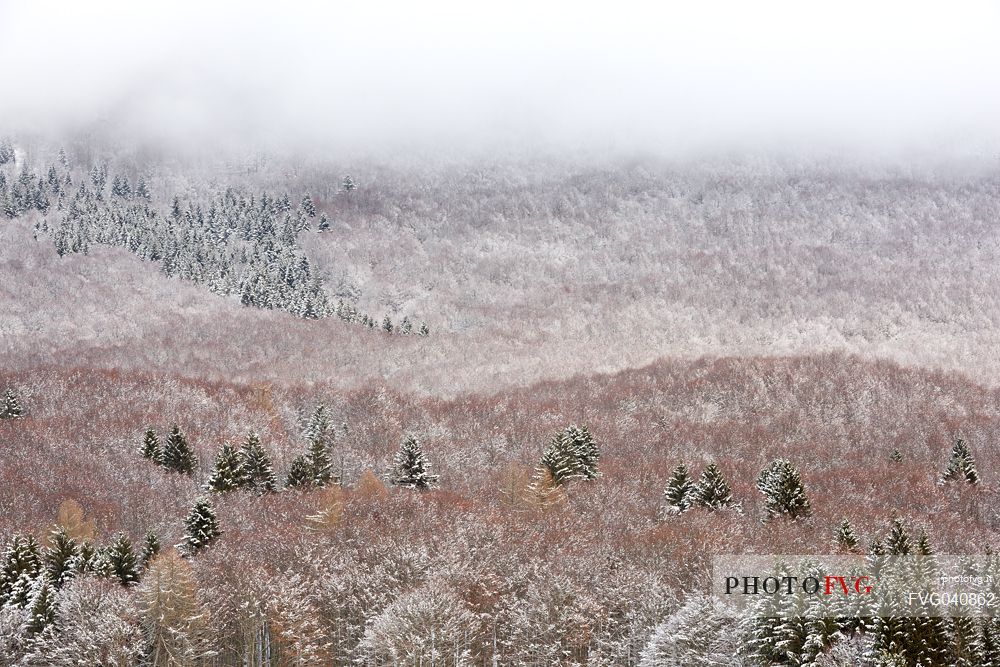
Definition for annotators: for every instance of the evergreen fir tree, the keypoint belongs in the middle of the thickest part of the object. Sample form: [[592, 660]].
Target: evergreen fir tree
[[318, 460], [929, 641], [122, 561], [150, 548], [256, 472], [41, 607], [299, 473], [585, 450], [307, 206], [424, 331], [410, 468], [60, 557], [961, 465], [177, 454], [21, 565], [324, 223], [406, 327], [318, 427], [986, 646], [846, 538], [571, 454], [86, 558], [898, 542], [142, 190], [348, 184], [151, 446], [712, 490], [680, 490], [387, 324], [11, 407], [226, 475], [783, 491], [200, 528]]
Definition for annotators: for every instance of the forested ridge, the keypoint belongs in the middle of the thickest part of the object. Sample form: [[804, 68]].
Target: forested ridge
[[228, 436]]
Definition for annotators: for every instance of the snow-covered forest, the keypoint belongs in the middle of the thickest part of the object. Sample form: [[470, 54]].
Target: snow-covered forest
[[450, 334], [315, 420]]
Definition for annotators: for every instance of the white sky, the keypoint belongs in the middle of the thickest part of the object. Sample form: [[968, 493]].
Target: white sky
[[652, 75]]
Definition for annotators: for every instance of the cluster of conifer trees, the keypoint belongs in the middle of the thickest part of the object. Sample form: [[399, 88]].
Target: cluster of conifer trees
[[233, 243], [32, 575]]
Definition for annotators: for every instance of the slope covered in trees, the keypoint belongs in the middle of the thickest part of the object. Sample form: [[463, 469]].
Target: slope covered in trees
[[387, 565], [524, 270]]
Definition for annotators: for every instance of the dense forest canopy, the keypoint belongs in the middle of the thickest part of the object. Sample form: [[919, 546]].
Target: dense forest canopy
[[273, 411]]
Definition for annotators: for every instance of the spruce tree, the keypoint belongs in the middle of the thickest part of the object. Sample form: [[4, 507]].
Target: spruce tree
[[21, 565], [151, 446], [41, 607], [846, 538], [318, 427], [320, 466], [307, 206], [712, 490], [200, 528], [571, 454], [406, 327], [150, 548], [898, 542], [585, 450], [60, 557], [226, 475], [324, 223], [783, 491], [86, 558], [11, 407], [680, 490], [410, 468], [348, 184], [177, 453], [961, 465], [986, 646], [256, 472], [299, 473], [424, 330], [121, 560]]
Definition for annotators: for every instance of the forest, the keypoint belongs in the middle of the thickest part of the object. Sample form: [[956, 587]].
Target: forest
[[273, 411]]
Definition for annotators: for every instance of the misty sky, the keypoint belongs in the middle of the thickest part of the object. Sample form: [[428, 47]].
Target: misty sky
[[683, 76]]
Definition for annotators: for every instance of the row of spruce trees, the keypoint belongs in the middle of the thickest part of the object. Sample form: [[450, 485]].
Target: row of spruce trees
[[781, 485]]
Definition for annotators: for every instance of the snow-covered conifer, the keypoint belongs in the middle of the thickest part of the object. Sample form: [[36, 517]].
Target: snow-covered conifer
[[307, 206], [846, 539], [299, 473], [679, 493], [150, 448], [59, 557], [122, 561], [712, 490], [41, 606], [784, 493], [150, 548], [21, 565], [961, 465], [226, 474], [177, 453], [11, 407], [255, 471], [200, 528], [410, 468]]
